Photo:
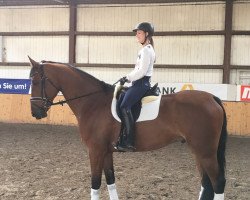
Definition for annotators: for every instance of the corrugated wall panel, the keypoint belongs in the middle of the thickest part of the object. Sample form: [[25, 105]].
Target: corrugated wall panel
[[200, 50], [241, 15], [188, 75], [119, 50], [165, 17], [1, 48], [38, 47], [244, 77], [241, 44], [240, 50], [15, 72], [111, 75], [233, 76], [82, 49], [106, 49], [25, 19], [240, 76]]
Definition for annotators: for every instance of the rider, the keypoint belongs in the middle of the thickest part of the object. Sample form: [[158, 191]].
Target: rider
[[140, 78]]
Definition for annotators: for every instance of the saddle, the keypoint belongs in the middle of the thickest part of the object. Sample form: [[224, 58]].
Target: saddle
[[151, 95]]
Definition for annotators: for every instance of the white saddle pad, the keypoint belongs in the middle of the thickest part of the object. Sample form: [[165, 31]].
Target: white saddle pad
[[149, 110]]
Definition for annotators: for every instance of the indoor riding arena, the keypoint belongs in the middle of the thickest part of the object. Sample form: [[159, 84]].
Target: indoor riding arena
[[199, 44]]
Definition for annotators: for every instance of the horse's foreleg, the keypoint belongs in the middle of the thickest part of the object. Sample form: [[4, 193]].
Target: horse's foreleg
[[110, 176], [96, 163]]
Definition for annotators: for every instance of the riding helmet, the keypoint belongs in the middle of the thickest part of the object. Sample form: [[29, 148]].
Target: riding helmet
[[146, 27]]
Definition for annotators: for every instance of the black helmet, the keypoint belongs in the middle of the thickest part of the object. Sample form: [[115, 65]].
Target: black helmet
[[146, 27]]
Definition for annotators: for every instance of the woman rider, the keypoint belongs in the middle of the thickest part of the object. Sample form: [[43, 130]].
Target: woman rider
[[140, 78]]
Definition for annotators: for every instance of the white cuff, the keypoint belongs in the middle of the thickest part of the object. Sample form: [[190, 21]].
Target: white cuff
[[94, 194]]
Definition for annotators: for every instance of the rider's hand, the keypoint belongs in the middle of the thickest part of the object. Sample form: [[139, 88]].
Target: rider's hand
[[123, 80]]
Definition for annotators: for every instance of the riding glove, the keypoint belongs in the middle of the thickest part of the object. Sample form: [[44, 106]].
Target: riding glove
[[123, 80]]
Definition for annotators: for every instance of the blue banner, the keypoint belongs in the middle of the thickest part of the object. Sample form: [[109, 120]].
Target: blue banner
[[14, 86]]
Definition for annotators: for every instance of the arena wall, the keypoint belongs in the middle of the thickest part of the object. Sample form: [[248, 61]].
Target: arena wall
[[115, 45], [34, 18], [91, 48], [170, 50], [16, 109], [166, 17], [111, 75]]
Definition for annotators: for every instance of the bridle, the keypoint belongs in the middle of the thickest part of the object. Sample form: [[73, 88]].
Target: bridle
[[46, 101]]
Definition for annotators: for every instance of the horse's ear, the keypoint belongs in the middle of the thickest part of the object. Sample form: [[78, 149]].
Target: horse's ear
[[33, 63]]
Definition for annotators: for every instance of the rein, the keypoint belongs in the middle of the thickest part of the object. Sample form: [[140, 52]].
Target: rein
[[71, 99]]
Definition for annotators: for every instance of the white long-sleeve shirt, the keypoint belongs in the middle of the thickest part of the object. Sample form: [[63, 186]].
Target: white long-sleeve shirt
[[144, 64]]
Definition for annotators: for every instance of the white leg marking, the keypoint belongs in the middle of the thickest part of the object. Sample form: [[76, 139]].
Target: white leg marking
[[94, 194], [112, 192], [202, 188], [218, 196]]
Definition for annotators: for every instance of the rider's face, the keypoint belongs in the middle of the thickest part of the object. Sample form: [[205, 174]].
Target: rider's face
[[140, 35]]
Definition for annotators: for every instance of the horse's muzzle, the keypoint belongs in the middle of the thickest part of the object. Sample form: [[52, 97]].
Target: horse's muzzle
[[39, 114]]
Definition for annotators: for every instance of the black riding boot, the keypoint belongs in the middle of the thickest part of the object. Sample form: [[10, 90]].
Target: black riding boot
[[129, 128]]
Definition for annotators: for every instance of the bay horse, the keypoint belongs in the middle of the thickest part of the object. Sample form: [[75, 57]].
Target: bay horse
[[194, 116]]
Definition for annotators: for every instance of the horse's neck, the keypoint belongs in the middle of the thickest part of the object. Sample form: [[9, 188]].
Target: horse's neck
[[74, 85]]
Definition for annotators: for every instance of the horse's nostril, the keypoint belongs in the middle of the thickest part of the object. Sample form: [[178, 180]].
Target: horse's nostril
[[35, 114], [39, 114]]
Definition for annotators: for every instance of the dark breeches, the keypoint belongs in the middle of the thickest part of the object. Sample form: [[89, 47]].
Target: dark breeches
[[135, 92]]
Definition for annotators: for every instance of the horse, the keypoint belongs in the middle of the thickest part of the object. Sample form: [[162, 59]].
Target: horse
[[196, 117]]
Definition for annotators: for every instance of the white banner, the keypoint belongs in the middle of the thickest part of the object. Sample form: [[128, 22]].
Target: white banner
[[223, 91]]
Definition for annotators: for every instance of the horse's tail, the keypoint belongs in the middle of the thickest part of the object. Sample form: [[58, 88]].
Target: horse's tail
[[223, 138]]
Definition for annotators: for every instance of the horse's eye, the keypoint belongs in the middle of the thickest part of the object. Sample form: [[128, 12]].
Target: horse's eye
[[35, 82]]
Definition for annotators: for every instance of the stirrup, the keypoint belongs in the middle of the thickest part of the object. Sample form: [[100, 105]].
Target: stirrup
[[124, 148]]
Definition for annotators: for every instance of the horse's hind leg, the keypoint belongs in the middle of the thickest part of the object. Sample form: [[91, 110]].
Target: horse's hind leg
[[110, 176], [206, 192], [213, 179]]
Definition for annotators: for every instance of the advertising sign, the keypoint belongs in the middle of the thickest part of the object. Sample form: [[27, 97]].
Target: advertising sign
[[245, 93], [223, 91], [14, 86]]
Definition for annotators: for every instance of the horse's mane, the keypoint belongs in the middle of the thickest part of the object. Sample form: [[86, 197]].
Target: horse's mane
[[105, 86]]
